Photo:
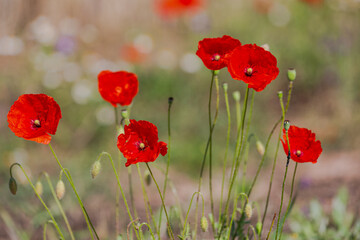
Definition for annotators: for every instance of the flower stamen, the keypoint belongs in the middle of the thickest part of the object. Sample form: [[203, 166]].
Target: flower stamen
[[216, 57], [37, 123], [142, 146], [249, 71], [298, 153]]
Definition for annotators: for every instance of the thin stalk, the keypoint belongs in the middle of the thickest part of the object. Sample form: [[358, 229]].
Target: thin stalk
[[290, 198], [170, 101], [282, 119], [272, 224], [283, 186], [188, 211], [39, 197], [163, 203], [235, 209], [59, 205], [233, 176], [151, 232], [121, 189], [117, 193], [131, 191], [148, 209], [226, 149]]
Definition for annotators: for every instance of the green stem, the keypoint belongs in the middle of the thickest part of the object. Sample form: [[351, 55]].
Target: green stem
[[272, 224], [188, 211], [151, 232], [226, 150], [117, 193], [168, 159], [39, 197], [67, 174], [233, 176], [235, 209], [120, 187], [59, 205], [163, 203], [290, 198]]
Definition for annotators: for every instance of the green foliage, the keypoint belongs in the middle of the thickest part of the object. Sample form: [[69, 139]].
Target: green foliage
[[340, 223]]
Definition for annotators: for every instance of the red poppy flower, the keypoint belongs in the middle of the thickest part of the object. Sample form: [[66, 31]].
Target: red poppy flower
[[174, 8], [303, 146], [213, 51], [33, 117], [140, 143], [118, 87], [253, 65]]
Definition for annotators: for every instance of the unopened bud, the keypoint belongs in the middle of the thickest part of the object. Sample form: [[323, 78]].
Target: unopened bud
[[291, 74], [39, 188], [260, 148], [60, 189], [225, 86], [147, 177], [258, 227], [280, 94], [95, 169], [13, 185], [266, 47], [124, 113], [204, 224], [236, 96], [286, 125], [248, 210], [170, 100]]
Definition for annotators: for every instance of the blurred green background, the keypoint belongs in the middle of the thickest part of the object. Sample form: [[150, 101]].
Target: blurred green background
[[59, 47]]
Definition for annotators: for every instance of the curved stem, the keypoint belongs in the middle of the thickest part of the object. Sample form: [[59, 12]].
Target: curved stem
[[68, 176], [235, 209], [39, 197], [226, 150], [163, 203], [120, 187], [59, 205], [188, 211], [168, 158], [151, 232]]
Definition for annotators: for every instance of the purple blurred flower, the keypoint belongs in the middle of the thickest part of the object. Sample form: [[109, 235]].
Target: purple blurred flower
[[66, 44], [305, 183]]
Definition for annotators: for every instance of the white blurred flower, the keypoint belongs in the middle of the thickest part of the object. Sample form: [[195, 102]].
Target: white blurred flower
[[190, 63], [11, 46], [279, 15], [143, 43], [105, 115], [43, 31], [166, 59], [52, 79], [81, 92]]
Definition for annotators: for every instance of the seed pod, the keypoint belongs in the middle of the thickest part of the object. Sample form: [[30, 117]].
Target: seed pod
[[286, 125], [236, 96], [258, 228], [13, 185], [260, 148], [291, 74], [39, 188], [204, 224], [248, 210], [95, 169], [60, 189]]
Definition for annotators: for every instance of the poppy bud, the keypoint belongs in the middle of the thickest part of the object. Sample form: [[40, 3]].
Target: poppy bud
[[39, 188], [248, 210], [291, 74], [124, 114], [60, 189], [147, 177], [236, 96], [286, 125], [260, 148], [280, 94], [266, 47], [258, 227], [204, 224], [170, 100], [13, 185], [225, 86], [95, 169]]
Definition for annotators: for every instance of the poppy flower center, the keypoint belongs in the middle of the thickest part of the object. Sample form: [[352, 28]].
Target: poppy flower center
[[216, 57], [298, 153], [37, 123], [249, 71], [142, 146]]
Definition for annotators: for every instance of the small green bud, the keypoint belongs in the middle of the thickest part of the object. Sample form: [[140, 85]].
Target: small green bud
[[248, 210], [225, 86], [13, 185], [60, 189], [258, 228], [236, 96], [95, 169], [204, 224], [260, 148], [147, 177], [286, 125], [39, 188], [291, 74], [280, 94]]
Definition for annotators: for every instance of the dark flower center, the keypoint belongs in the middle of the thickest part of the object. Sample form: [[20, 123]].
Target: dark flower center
[[216, 57], [36, 123], [249, 71]]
